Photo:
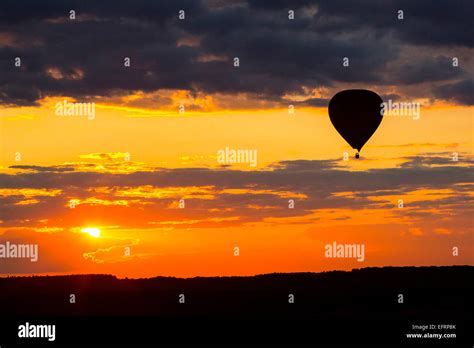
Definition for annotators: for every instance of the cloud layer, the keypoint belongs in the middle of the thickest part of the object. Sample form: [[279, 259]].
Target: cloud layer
[[279, 58], [431, 184]]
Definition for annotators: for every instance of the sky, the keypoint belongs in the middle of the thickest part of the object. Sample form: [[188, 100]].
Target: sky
[[145, 170]]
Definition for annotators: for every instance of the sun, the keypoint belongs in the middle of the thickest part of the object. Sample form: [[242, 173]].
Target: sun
[[92, 231]]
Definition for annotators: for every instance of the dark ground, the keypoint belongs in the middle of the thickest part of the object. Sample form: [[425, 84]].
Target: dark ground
[[432, 295]]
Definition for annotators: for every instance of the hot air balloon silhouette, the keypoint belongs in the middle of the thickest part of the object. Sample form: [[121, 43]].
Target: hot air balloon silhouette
[[355, 113]]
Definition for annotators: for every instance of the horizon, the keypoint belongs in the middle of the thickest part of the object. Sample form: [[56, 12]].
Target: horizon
[[220, 277]]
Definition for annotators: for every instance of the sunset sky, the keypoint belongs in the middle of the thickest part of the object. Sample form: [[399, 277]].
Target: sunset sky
[[126, 170]]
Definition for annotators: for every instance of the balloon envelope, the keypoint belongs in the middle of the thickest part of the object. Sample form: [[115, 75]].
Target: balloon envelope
[[355, 113]]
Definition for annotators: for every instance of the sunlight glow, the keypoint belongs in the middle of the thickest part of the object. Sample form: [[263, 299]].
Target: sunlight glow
[[92, 231]]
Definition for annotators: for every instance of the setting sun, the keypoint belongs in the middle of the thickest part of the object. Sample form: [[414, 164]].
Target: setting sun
[[92, 231]]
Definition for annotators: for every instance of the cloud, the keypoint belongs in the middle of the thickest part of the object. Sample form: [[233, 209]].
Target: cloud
[[435, 159], [83, 58], [105, 156], [56, 169], [135, 199], [461, 92], [428, 70], [421, 24]]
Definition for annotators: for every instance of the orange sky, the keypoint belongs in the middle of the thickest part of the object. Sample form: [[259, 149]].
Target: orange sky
[[135, 203]]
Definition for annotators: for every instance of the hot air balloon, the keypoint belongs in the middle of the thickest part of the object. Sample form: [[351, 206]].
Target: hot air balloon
[[356, 115]]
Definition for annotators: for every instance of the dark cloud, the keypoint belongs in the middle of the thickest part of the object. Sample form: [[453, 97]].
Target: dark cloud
[[84, 58], [461, 92], [437, 69], [312, 184], [57, 169], [417, 170], [440, 159], [15, 12], [317, 102], [444, 22]]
